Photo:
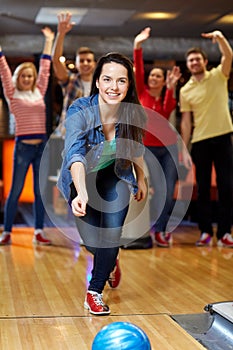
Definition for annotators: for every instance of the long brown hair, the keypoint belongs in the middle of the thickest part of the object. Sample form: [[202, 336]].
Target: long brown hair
[[132, 117]]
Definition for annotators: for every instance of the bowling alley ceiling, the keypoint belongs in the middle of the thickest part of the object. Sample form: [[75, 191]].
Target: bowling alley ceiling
[[108, 18]]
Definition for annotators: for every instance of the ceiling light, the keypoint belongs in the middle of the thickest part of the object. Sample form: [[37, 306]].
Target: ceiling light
[[226, 19], [85, 16], [106, 17], [48, 15], [156, 15]]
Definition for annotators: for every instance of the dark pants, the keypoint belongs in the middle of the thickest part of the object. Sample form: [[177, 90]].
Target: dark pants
[[24, 155], [101, 227], [162, 163], [217, 151]]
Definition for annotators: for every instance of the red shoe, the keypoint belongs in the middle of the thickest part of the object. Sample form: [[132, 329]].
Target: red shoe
[[94, 303], [160, 239], [115, 276], [205, 240], [5, 238], [226, 241], [40, 239], [169, 238]]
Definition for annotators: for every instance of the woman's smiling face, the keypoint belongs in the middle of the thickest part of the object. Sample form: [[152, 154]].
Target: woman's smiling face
[[26, 79], [156, 78], [113, 83]]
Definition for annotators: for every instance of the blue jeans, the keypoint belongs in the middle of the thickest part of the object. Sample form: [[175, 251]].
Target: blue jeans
[[101, 227], [24, 155], [217, 151], [162, 163]]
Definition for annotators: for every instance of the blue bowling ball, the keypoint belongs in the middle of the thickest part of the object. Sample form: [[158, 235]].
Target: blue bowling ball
[[121, 336]]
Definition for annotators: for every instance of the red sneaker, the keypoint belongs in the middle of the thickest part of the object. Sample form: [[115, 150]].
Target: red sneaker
[[115, 276], [160, 239], [169, 238], [40, 239], [94, 303], [205, 240], [226, 241], [5, 238]]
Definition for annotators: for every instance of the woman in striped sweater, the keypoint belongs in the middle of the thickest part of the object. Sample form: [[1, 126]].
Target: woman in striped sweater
[[24, 92]]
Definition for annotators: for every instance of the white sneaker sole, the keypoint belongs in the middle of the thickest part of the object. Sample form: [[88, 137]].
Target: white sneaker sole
[[87, 307], [222, 245]]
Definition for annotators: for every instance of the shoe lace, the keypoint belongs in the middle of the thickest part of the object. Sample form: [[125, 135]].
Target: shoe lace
[[98, 299]]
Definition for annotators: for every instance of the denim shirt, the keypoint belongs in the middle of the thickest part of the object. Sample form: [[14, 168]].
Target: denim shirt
[[84, 142]]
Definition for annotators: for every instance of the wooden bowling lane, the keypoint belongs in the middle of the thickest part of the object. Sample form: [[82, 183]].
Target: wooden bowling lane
[[43, 289], [77, 333]]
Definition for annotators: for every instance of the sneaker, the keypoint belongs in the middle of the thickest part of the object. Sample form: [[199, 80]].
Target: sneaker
[[5, 238], [115, 276], [160, 239], [40, 239], [169, 238], [226, 241], [205, 240], [94, 303]]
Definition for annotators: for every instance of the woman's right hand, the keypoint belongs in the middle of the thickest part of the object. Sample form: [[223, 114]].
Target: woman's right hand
[[78, 205], [172, 77], [48, 33], [141, 37]]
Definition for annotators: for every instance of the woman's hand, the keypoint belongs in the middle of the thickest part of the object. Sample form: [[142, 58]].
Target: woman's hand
[[141, 37], [172, 77], [78, 205], [48, 33], [142, 191]]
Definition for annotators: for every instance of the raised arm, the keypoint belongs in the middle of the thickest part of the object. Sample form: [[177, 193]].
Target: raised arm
[[225, 49], [45, 62], [141, 37], [6, 76], [138, 58], [64, 26], [172, 77], [48, 44]]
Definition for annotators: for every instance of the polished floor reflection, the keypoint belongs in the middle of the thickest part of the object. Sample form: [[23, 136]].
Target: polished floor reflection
[[43, 289]]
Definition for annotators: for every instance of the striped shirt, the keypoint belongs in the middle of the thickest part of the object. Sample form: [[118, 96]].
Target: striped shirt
[[28, 107]]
